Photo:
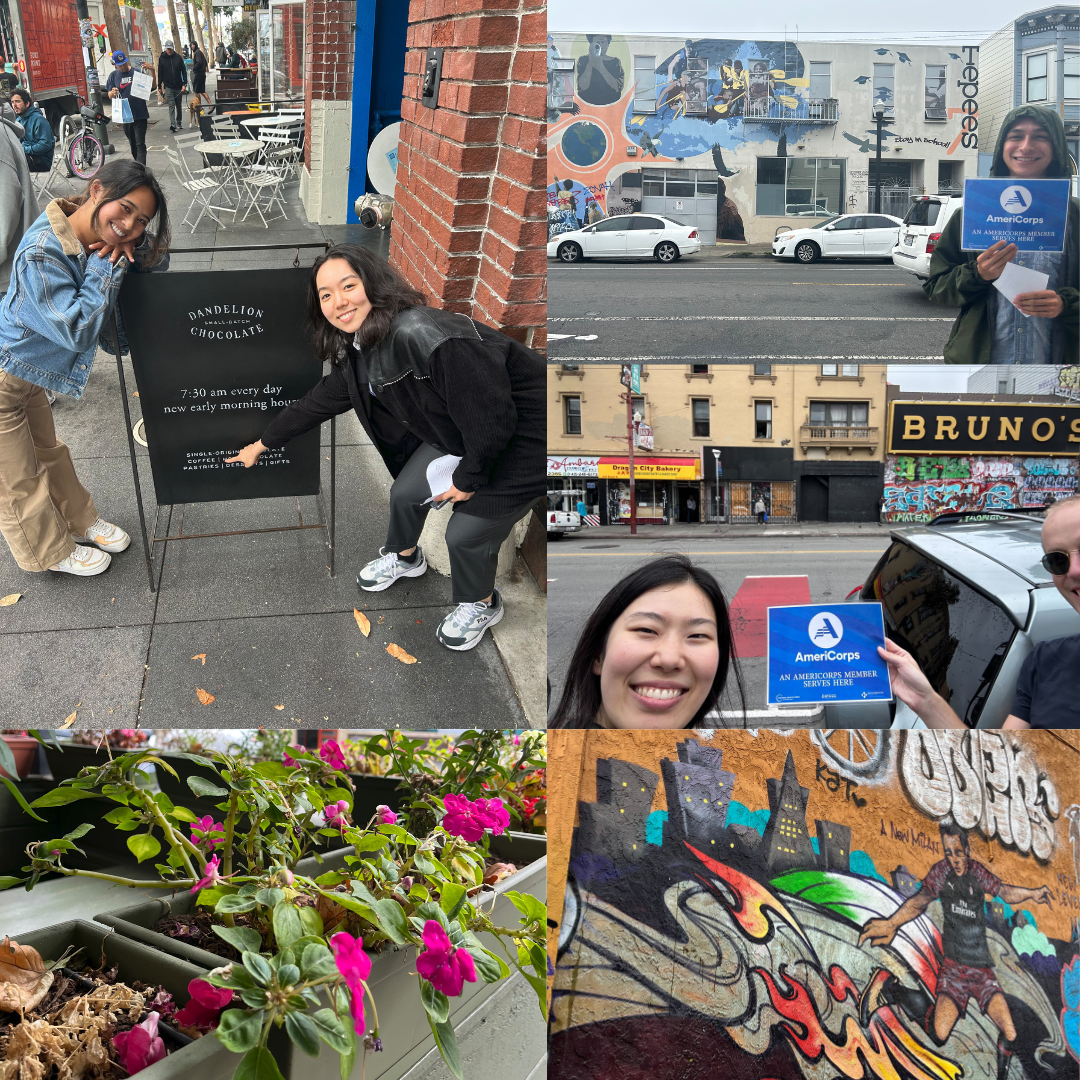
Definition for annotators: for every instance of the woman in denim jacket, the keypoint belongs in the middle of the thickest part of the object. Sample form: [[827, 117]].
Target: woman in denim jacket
[[65, 281]]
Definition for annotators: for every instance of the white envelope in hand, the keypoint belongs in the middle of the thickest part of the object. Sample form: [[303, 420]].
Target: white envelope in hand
[[1016, 280], [440, 474]]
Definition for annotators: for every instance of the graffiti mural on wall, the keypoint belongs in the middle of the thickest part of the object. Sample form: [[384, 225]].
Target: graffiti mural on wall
[[908, 912], [917, 488]]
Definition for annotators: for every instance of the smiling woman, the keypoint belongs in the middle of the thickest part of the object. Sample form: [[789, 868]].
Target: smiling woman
[[656, 652]]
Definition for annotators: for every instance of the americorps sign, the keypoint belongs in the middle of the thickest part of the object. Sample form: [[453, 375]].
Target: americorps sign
[[217, 356], [1028, 213], [923, 427]]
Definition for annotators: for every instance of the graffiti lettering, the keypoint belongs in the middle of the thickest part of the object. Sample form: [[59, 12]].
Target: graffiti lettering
[[831, 779], [982, 781]]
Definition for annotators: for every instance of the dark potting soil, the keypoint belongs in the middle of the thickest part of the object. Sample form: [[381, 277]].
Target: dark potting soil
[[197, 929]]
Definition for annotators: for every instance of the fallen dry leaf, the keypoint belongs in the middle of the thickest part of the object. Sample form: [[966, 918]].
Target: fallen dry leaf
[[70, 720], [382, 618], [200, 656], [13, 598], [497, 871], [279, 707], [23, 978], [203, 696], [362, 621], [398, 653], [135, 393]]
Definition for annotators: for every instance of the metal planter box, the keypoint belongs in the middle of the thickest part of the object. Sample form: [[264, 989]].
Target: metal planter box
[[206, 1058], [403, 1023]]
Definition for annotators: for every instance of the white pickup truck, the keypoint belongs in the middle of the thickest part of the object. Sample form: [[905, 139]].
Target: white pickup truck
[[562, 518]]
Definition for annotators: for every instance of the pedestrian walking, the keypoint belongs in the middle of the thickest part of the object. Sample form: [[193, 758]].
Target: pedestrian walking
[[198, 77], [456, 409], [38, 141], [759, 509], [657, 652], [118, 86], [582, 509], [64, 285], [691, 509], [172, 77], [18, 203], [1038, 327], [221, 54]]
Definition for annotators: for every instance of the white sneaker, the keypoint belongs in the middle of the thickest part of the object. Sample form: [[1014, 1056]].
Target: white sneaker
[[84, 562], [381, 573], [101, 534]]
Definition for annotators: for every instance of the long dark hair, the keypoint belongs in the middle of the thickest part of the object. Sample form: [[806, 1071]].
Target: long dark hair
[[581, 700], [120, 177], [386, 289]]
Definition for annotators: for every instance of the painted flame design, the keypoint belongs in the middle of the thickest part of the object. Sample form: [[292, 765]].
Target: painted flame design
[[883, 1046]]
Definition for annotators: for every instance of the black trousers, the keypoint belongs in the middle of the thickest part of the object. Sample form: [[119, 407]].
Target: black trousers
[[473, 542], [136, 136]]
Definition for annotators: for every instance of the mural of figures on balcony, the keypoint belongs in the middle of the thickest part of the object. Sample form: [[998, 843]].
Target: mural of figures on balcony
[[813, 904]]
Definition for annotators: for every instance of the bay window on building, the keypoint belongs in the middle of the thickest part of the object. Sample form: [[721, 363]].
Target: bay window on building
[[800, 187], [884, 85], [843, 415], [1072, 76], [1036, 84]]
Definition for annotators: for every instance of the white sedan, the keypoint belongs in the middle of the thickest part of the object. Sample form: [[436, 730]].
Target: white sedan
[[847, 236], [627, 236]]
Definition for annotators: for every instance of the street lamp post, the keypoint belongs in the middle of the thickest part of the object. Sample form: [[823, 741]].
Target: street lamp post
[[879, 116], [716, 458]]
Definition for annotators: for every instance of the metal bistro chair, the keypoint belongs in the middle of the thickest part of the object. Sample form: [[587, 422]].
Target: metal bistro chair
[[202, 188], [265, 181], [278, 148], [184, 142]]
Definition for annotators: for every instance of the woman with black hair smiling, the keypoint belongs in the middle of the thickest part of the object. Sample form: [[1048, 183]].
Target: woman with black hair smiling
[[656, 652]]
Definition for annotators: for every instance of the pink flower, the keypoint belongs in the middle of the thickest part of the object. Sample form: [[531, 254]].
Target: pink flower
[[288, 760], [446, 968], [386, 815], [140, 1047], [204, 1008], [355, 966], [463, 818], [331, 753], [212, 878], [334, 813], [498, 817], [202, 830], [517, 740]]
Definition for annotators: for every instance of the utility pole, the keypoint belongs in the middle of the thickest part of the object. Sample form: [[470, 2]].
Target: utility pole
[[627, 380], [879, 116], [93, 82]]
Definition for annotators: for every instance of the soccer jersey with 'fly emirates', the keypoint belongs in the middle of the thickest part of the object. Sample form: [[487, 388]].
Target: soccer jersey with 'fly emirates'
[[963, 936]]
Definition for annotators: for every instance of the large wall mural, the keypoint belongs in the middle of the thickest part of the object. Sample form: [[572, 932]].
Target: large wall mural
[[817, 905], [918, 488]]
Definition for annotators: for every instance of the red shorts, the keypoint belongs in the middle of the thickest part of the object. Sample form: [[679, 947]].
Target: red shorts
[[960, 982]]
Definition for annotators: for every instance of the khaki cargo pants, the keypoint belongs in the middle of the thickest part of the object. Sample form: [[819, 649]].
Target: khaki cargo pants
[[42, 503]]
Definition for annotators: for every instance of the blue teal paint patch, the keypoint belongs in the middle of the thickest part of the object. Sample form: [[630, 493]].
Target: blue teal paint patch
[[739, 815], [861, 864], [654, 827], [814, 844]]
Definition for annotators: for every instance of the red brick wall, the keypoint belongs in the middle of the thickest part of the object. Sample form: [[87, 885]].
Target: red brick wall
[[329, 42], [470, 225]]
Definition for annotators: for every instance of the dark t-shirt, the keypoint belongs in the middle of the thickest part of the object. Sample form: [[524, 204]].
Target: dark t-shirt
[[121, 80], [1048, 690], [963, 935]]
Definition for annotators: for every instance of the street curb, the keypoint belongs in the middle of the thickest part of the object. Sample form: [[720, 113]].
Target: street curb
[[738, 532]]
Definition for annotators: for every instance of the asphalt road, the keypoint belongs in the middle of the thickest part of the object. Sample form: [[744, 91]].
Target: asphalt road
[[581, 571], [704, 310]]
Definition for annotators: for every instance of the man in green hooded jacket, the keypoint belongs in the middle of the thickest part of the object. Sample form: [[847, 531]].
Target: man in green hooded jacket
[[989, 329]]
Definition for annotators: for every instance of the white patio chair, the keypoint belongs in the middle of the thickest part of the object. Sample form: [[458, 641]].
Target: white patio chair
[[278, 148], [265, 182], [201, 188]]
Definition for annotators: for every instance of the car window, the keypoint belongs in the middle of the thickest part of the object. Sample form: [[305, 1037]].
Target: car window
[[846, 223], [821, 224], [646, 223], [674, 221], [612, 224], [923, 212], [879, 223], [957, 635]]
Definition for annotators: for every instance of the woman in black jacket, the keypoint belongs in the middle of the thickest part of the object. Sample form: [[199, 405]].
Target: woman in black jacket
[[456, 410]]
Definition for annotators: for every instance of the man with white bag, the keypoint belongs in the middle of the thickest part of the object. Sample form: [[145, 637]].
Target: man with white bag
[[130, 107]]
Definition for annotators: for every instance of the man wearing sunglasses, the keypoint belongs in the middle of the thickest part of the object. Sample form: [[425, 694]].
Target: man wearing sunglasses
[[1048, 689]]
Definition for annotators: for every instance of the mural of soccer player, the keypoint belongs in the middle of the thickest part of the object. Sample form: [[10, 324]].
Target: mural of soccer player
[[960, 883], [600, 77]]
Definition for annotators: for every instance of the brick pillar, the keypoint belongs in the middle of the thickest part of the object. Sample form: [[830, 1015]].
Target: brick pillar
[[328, 71], [470, 224]]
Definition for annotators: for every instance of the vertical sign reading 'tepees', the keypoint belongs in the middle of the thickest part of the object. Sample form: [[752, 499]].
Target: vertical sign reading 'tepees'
[[217, 355]]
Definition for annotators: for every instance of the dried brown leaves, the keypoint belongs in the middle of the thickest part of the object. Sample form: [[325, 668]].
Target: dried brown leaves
[[398, 653], [23, 978], [203, 696], [362, 621]]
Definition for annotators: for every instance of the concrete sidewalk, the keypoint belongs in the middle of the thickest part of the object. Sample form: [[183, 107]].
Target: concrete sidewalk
[[280, 642], [653, 533]]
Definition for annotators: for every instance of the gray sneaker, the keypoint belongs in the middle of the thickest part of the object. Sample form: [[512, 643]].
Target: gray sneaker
[[382, 572], [464, 627]]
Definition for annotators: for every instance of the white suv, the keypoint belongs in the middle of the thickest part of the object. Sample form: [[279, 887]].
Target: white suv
[[923, 225], [627, 236]]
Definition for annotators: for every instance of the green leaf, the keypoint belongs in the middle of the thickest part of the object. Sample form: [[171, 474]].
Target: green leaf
[[540, 986], [238, 978], [10, 882], [349, 904], [143, 846], [453, 896], [197, 758], [165, 804], [258, 1064], [348, 1059], [288, 975], [312, 922], [255, 999], [203, 787], [124, 818], [317, 961], [287, 928], [257, 968], [60, 796], [489, 966], [238, 1030], [79, 831], [331, 1030], [398, 833], [436, 1002], [371, 842], [534, 910], [303, 1032], [241, 938], [210, 897], [273, 770], [446, 1041], [269, 897], [234, 905], [331, 877], [392, 922], [7, 759], [362, 892], [430, 910], [182, 813]]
